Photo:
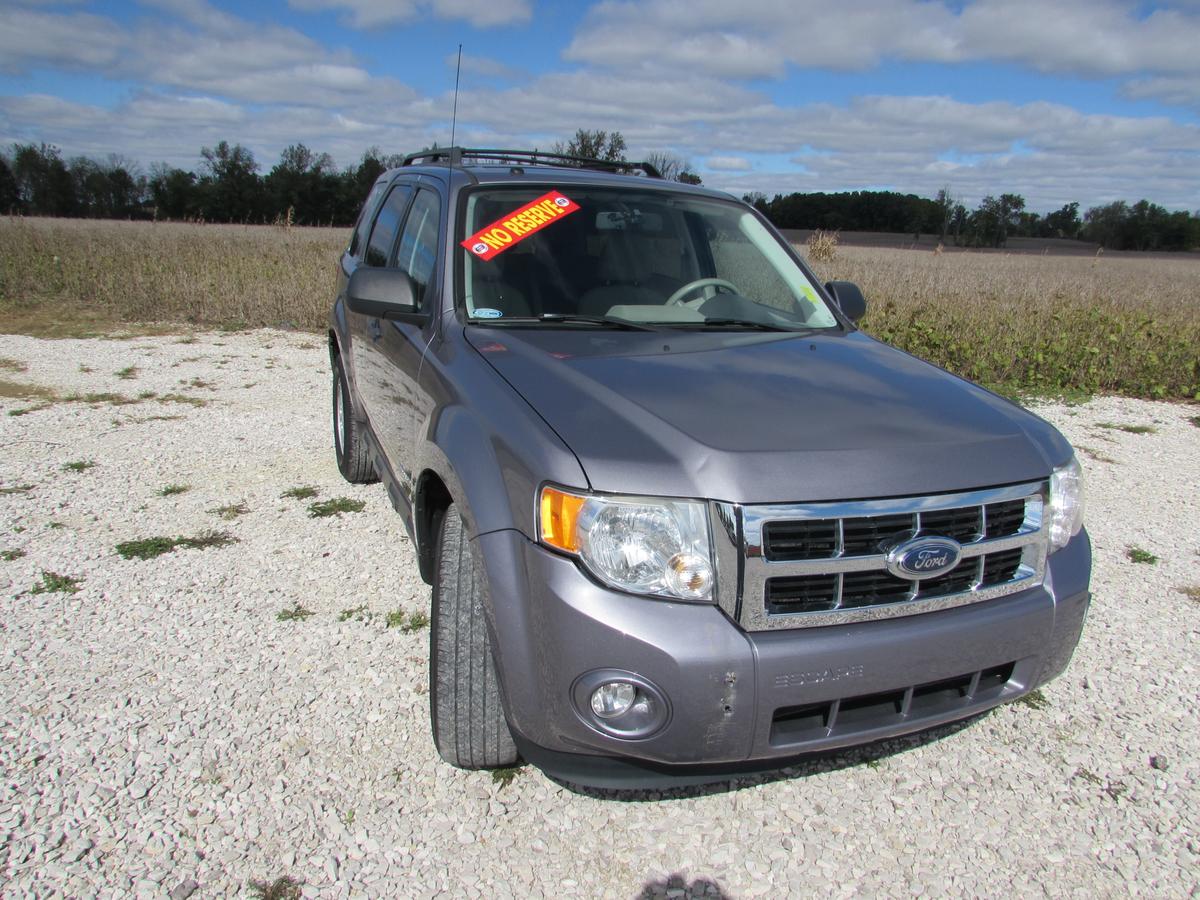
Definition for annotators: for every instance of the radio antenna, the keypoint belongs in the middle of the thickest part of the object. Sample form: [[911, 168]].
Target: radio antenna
[[454, 114]]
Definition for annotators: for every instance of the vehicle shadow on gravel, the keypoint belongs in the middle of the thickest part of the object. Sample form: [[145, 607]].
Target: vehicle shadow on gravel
[[803, 767], [673, 884]]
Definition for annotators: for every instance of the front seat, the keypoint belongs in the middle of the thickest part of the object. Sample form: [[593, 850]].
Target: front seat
[[620, 284]]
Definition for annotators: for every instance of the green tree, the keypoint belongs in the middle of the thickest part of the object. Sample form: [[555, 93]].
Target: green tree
[[598, 144], [232, 190], [10, 198], [1063, 223], [44, 183]]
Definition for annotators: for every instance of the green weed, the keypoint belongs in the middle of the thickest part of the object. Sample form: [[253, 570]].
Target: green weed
[[354, 612], [148, 548], [296, 613], [302, 492], [1195, 420], [17, 489], [335, 507], [1034, 700], [53, 583], [406, 622], [80, 465], [12, 365], [171, 490], [181, 398], [231, 511], [1138, 555], [1128, 429], [504, 777], [1095, 454], [1192, 592], [11, 555], [285, 887], [128, 373]]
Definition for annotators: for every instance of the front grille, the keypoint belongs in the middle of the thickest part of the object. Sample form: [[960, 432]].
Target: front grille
[[855, 715], [826, 563]]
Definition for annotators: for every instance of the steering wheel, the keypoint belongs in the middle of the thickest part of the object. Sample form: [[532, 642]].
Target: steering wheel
[[676, 299]]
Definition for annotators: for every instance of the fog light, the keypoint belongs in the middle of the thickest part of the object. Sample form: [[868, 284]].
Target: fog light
[[613, 699]]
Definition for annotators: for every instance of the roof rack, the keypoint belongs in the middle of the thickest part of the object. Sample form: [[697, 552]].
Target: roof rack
[[454, 156]]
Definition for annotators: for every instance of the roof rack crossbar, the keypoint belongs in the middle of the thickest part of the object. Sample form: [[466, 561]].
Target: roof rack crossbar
[[455, 156]]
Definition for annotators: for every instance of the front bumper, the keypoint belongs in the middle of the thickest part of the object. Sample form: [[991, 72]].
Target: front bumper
[[755, 700]]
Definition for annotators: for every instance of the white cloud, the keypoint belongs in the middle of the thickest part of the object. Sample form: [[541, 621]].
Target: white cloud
[[73, 41], [760, 38], [376, 13], [727, 163]]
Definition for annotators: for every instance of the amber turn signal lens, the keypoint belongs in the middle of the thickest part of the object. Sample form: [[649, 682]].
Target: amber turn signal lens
[[560, 512]]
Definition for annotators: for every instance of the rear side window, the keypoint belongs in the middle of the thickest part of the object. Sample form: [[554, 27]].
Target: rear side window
[[419, 243], [364, 219], [383, 235]]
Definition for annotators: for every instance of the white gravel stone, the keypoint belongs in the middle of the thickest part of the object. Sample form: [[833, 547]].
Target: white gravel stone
[[163, 733]]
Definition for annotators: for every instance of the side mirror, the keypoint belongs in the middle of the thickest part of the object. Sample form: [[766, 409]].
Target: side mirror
[[849, 299], [382, 294]]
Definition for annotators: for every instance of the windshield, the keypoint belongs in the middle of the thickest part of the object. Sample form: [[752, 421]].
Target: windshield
[[585, 254]]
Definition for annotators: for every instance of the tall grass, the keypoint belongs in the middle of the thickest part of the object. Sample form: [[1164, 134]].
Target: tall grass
[[1037, 325], [1023, 324], [218, 275]]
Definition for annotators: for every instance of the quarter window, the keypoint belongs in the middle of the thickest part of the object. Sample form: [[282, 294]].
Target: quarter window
[[383, 235], [364, 219]]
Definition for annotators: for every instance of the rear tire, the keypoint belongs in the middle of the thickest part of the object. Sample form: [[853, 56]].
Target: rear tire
[[469, 727], [351, 451]]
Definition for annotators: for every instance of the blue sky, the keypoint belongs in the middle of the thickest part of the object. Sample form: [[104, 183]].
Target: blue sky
[[1075, 100]]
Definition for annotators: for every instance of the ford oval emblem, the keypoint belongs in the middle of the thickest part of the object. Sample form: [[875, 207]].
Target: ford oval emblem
[[924, 557]]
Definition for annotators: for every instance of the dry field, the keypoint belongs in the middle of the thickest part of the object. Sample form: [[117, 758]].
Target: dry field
[[1024, 324]]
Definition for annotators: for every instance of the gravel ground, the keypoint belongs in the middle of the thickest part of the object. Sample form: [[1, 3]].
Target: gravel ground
[[163, 732]]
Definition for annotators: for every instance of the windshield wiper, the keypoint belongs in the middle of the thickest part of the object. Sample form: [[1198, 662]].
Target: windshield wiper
[[744, 323], [572, 318]]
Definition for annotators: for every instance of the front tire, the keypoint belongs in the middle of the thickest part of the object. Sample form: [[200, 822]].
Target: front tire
[[352, 459], [469, 727]]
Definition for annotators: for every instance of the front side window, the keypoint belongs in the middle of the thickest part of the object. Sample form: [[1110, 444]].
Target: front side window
[[417, 252], [383, 233], [536, 253]]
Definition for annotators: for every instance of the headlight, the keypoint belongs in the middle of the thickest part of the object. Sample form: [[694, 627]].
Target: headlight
[[644, 545], [1064, 510]]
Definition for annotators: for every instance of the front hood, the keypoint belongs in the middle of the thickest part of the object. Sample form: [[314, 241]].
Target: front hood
[[754, 417]]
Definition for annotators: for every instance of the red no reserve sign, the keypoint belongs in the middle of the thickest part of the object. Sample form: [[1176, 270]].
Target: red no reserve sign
[[519, 224]]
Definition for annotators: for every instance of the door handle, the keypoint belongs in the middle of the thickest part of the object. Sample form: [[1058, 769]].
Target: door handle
[[375, 329]]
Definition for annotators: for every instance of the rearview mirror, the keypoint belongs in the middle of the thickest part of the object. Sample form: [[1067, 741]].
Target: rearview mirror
[[382, 294], [849, 299]]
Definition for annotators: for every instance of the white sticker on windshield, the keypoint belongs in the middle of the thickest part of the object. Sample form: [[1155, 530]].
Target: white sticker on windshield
[[487, 313]]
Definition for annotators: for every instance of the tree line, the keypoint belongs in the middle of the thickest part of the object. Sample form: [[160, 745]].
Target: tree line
[[1116, 226], [305, 188]]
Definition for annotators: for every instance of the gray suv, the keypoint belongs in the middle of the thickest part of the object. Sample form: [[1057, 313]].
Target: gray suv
[[681, 517]]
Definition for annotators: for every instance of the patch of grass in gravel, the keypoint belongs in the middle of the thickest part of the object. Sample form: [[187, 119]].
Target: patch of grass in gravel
[[335, 507], [148, 548], [79, 465], [354, 612], [1195, 420], [296, 613], [127, 374], [230, 511], [170, 490], [1128, 429], [1095, 454], [1138, 555], [53, 583], [504, 777], [1191, 591], [180, 398], [17, 489], [301, 492], [285, 887], [23, 390], [1034, 700], [11, 555], [405, 621], [12, 365]]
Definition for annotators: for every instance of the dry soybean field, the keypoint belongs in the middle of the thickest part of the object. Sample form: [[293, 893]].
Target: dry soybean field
[[213, 679]]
